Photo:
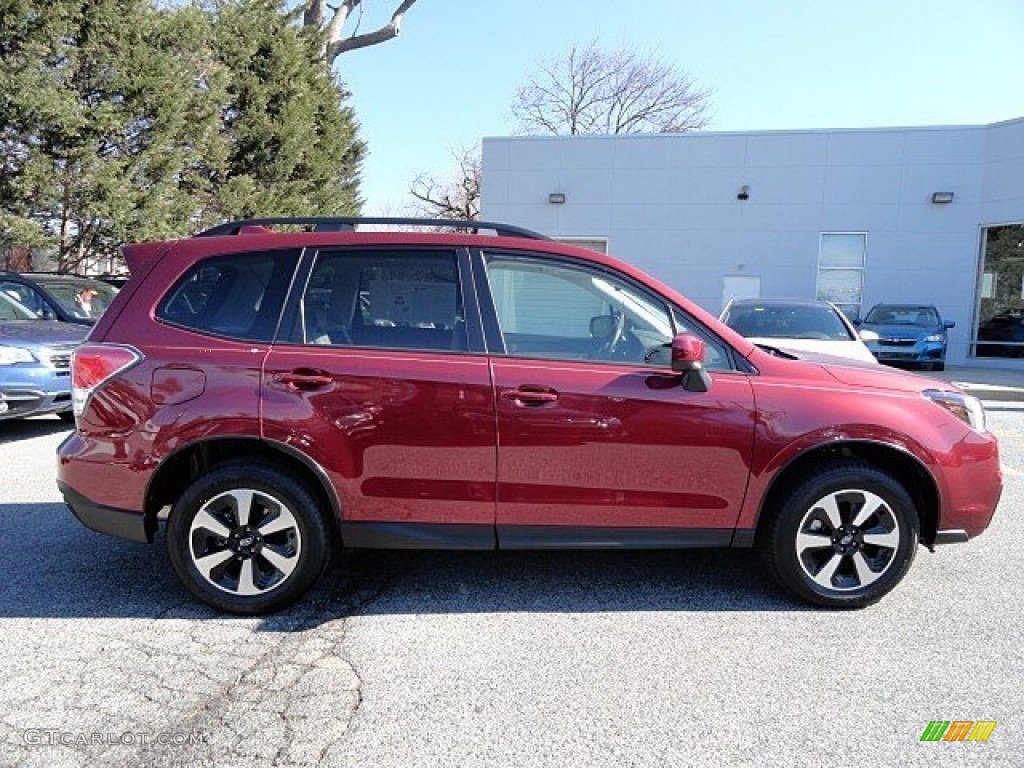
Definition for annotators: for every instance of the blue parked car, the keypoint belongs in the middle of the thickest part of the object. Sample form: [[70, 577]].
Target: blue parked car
[[906, 333], [35, 362]]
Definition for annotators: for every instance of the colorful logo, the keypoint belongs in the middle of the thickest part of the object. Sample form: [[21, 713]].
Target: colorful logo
[[958, 730]]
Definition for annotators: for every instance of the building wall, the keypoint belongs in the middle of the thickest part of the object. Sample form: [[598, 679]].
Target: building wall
[[668, 203]]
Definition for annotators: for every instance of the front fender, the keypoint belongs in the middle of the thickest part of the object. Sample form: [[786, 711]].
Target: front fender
[[786, 431]]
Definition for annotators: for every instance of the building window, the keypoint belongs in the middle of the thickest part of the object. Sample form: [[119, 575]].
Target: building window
[[841, 270], [999, 323], [599, 244]]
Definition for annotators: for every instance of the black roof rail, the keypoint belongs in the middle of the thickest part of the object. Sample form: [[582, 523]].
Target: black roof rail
[[348, 224]]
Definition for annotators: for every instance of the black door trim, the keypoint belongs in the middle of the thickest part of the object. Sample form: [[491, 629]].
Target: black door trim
[[417, 535], [578, 537]]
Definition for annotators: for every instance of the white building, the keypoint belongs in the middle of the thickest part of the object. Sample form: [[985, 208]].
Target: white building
[[933, 215]]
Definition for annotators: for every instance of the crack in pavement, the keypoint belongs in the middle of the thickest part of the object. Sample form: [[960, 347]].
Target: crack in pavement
[[255, 692], [292, 706]]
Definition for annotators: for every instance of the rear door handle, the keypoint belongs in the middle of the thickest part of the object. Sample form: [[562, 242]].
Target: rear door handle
[[530, 396], [304, 380]]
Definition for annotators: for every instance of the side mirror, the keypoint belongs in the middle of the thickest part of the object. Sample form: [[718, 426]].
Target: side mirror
[[856, 322], [688, 360], [949, 324]]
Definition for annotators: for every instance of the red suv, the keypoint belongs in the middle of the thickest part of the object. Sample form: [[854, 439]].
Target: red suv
[[273, 393]]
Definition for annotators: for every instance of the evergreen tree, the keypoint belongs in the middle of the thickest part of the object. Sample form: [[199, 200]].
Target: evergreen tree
[[104, 127], [121, 121], [291, 141]]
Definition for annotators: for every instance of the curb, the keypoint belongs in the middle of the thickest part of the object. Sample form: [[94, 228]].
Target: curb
[[991, 392]]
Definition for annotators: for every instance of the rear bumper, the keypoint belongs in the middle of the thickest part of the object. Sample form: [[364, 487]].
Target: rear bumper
[[122, 523]]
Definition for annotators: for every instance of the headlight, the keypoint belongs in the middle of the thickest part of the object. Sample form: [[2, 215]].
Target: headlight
[[934, 337], [868, 336], [964, 407], [12, 355]]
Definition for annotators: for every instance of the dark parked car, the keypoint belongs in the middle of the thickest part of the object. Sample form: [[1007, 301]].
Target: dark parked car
[[913, 334], [68, 298], [1005, 332], [278, 390], [35, 362]]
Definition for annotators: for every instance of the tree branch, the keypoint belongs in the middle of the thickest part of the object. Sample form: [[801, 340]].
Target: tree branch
[[387, 32], [590, 91]]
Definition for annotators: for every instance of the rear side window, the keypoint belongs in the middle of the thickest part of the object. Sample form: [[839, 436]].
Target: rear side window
[[404, 299], [238, 296], [24, 295]]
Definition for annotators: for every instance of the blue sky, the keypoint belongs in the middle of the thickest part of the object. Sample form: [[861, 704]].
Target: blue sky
[[449, 79]]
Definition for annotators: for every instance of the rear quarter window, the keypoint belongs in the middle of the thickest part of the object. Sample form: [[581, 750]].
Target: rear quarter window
[[239, 296]]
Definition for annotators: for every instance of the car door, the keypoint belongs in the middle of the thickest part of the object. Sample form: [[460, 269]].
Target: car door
[[598, 443], [380, 376]]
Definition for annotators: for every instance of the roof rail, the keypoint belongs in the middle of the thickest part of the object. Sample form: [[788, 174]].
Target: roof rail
[[348, 224]]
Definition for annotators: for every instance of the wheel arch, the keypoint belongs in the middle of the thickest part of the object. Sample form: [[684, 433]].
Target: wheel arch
[[178, 470], [902, 465]]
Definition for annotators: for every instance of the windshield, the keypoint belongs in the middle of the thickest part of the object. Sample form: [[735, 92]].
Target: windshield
[[85, 300], [13, 310], [888, 314], [788, 322]]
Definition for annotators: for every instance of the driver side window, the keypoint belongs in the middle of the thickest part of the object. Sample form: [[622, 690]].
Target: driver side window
[[550, 309]]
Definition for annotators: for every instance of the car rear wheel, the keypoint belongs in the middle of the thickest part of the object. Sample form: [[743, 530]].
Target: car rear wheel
[[248, 538], [843, 537]]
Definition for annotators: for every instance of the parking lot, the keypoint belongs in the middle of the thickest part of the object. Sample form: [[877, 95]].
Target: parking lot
[[483, 659]]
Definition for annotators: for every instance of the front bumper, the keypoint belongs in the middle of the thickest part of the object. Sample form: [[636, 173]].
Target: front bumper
[[972, 487], [950, 536], [34, 389], [26, 402], [920, 352]]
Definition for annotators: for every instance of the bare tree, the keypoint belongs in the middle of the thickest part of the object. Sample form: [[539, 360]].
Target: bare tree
[[457, 197], [332, 18], [591, 91]]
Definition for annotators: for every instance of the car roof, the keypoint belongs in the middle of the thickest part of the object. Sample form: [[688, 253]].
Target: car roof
[[905, 306], [781, 302], [51, 277]]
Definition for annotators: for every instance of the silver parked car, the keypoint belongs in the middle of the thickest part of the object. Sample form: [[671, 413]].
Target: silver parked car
[[800, 325]]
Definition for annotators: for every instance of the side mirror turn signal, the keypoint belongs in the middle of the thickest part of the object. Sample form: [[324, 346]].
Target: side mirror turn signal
[[688, 359]]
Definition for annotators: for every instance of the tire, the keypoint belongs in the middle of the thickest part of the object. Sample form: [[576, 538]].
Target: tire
[[67, 416], [258, 567], [938, 366], [817, 542]]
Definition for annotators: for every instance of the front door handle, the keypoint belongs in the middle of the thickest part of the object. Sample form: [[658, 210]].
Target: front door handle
[[305, 379], [530, 396]]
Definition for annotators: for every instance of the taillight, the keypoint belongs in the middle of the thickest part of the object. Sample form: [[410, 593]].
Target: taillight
[[92, 365]]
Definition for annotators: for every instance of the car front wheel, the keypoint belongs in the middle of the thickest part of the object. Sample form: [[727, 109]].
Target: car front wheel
[[843, 537], [248, 538]]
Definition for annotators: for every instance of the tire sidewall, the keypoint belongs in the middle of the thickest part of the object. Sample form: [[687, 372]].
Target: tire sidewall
[[300, 502], [812, 490]]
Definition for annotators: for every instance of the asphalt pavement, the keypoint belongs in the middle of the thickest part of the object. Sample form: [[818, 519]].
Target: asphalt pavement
[[497, 659]]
